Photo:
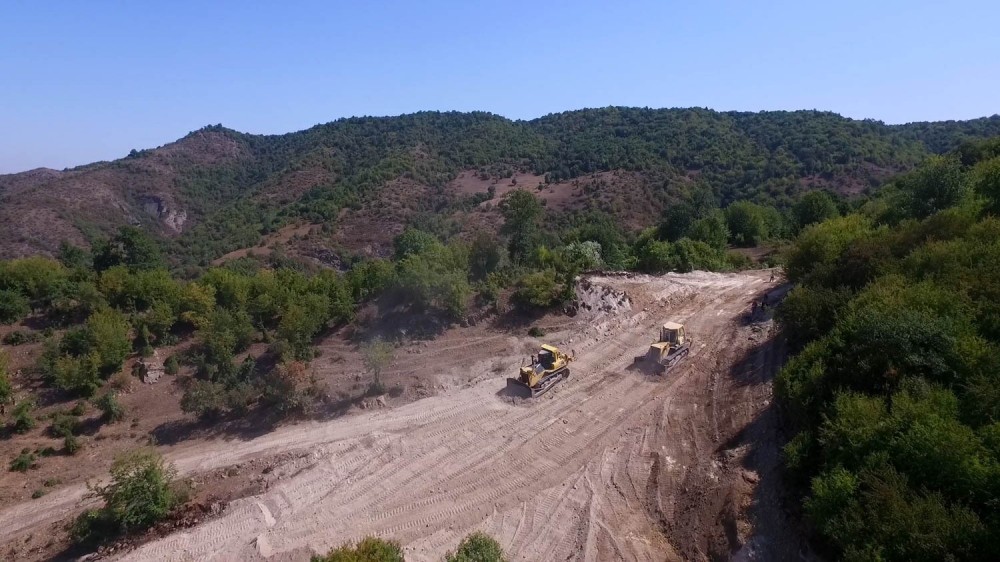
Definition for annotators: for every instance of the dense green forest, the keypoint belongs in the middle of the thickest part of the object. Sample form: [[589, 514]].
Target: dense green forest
[[895, 390], [762, 157]]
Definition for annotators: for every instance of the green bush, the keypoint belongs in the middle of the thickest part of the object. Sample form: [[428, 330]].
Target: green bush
[[79, 408], [536, 332], [477, 547], [23, 462], [539, 289], [171, 365], [13, 306], [63, 425], [18, 337], [111, 408], [23, 420], [370, 549], [205, 399], [78, 375], [6, 389], [71, 444], [141, 493], [108, 333], [813, 207]]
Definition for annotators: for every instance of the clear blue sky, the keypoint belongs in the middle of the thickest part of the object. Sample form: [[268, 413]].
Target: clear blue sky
[[85, 81]]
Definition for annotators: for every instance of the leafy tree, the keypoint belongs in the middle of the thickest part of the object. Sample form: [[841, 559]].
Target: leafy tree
[[301, 322], [413, 241], [78, 375], [677, 222], [130, 247], [653, 256], [816, 253], [813, 207], [485, 256], [13, 306], [748, 223], [711, 230], [584, 255], [74, 257], [289, 387], [36, 278], [937, 184], [477, 547], [369, 278], [522, 213], [377, 355], [985, 180], [540, 289], [108, 331], [808, 313], [205, 399]]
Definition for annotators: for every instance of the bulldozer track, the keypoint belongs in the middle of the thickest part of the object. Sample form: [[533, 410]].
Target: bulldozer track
[[589, 470]]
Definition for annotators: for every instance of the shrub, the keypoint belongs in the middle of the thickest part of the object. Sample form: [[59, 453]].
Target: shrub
[[171, 366], [536, 332], [205, 399], [79, 408], [13, 306], [18, 337], [108, 333], [63, 425], [370, 549], [78, 375], [140, 494], [378, 355], [6, 389], [539, 289], [37, 493], [122, 381], [23, 462], [23, 420], [477, 547], [71, 444], [111, 409]]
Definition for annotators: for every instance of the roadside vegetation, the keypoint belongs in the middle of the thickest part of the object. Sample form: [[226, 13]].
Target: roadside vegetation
[[477, 547], [895, 389]]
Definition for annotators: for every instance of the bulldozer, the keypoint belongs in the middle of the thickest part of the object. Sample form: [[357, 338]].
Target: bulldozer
[[672, 346], [548, 368]]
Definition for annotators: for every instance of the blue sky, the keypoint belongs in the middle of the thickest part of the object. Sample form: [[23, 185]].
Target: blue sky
[[86, 81]]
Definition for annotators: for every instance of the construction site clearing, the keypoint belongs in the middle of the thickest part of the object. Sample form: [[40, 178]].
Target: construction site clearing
[[611, 464]]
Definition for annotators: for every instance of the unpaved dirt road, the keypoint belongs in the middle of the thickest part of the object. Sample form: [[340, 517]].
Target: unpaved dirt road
[[612, 464]]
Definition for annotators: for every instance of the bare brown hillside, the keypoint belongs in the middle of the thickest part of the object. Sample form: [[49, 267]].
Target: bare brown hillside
[[41, 208]]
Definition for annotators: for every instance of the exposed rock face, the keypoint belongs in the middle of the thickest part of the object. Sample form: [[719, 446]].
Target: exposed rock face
[[149, 369], [156, 207]]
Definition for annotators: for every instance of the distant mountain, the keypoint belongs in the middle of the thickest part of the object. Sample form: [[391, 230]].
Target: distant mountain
[[216, 190]]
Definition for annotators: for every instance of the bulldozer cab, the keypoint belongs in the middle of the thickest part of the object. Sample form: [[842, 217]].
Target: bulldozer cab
[[672, 333], [546, 357]]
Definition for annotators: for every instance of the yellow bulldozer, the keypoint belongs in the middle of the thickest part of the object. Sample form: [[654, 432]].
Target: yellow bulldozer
[[665, 353], [548, 368]]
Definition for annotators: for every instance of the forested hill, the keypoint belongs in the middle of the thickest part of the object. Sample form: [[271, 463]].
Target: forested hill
[[217, 190]]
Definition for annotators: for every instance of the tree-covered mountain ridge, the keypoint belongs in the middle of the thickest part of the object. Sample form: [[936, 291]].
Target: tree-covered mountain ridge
[[217, 190]]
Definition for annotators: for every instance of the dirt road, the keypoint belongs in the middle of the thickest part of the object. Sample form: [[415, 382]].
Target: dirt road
[[612, 464]]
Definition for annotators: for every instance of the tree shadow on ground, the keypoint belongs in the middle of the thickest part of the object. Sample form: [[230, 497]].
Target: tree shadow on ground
[[775, 508]]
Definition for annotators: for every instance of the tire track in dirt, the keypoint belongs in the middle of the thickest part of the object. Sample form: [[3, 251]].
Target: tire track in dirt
[[592, 470]]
